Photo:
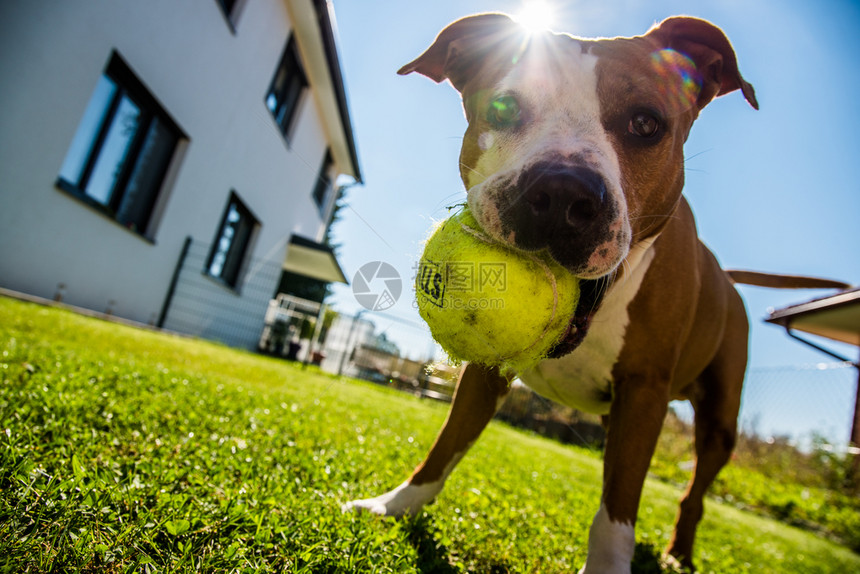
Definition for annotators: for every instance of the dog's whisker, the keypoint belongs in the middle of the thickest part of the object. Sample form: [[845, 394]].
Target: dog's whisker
[[472, 169], [695, 155], [658, 220]]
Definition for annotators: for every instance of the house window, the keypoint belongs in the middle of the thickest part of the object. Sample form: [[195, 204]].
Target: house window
[[231, 9], [324, 184], [122, 149], [287, 87], [232, 242]]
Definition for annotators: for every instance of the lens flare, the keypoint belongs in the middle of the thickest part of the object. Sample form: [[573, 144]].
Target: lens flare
[[535, 16], [680, 80]]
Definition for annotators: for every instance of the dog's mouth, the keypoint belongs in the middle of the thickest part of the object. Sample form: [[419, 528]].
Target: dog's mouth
[[591, 295]]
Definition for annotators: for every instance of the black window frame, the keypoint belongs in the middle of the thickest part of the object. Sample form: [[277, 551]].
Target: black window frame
[[324, 183], [231, 9], [122, 196], [287, 89], [237, 255]]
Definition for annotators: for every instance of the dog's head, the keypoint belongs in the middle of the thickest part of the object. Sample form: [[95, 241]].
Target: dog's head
[[576, 146]]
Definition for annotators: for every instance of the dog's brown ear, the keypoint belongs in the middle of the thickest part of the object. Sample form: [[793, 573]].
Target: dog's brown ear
[[712, 53], [461, 46]]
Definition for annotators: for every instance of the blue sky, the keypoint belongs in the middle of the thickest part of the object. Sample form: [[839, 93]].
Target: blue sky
[[773, 190]]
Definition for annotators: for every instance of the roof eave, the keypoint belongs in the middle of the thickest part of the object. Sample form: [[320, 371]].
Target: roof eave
[[327, 26]]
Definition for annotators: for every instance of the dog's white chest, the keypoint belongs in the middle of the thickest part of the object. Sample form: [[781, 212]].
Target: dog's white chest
[[583, 378]]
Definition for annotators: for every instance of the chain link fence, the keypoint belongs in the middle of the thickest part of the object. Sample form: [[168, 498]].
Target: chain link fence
[[803, 405], [809, 406]]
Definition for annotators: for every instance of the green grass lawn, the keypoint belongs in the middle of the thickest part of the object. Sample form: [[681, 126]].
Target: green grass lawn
[[125, 450]]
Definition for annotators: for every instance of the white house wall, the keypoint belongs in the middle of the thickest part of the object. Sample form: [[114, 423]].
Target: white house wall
[[212, 82]]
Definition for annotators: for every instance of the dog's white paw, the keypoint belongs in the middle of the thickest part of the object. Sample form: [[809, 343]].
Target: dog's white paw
[[606, 569], [405, 499], [610, 545]]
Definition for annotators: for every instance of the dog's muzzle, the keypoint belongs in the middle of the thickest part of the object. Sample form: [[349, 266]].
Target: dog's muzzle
[[563, 208]]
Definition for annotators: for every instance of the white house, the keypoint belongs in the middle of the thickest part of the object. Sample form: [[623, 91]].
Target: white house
[[136, 134]]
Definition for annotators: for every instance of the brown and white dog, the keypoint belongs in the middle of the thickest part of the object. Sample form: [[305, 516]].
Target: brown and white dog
[[575, 147]]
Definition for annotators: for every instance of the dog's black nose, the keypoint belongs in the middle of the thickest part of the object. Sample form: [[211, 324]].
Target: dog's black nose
[[574, 194], [557, 203]]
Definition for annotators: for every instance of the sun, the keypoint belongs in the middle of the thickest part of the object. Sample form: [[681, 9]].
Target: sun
[[535, 15]]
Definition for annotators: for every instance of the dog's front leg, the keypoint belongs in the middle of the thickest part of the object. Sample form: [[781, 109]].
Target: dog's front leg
[[635, 420], [479, 394]]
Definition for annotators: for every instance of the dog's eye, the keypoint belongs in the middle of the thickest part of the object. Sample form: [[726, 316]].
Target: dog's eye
[[644, 125], [504, 112]]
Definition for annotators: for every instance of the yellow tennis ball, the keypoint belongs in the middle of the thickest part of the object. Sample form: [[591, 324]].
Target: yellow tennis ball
[[486, 303]]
